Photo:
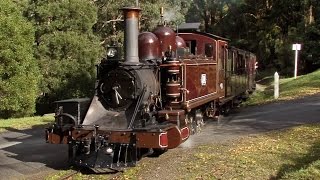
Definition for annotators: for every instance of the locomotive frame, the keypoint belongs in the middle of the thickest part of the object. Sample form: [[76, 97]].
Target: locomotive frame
[[154, 99]]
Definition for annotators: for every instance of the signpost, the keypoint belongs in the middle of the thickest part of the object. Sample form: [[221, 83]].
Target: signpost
[[276, 85], [296, 48]]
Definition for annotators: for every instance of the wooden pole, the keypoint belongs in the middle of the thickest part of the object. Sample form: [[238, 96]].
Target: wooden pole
[[296, 64]]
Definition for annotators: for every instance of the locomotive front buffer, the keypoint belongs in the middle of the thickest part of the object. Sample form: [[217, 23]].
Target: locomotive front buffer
[[103, 149], [95, 148]]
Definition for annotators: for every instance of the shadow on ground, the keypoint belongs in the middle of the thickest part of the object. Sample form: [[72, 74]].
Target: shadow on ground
[[25, 152], [300, 162]]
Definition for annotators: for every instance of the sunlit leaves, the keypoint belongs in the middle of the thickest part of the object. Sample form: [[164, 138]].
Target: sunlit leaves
[[19, 72], [66, 48]]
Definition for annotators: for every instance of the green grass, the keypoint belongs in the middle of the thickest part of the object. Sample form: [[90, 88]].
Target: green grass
[[290, 154], [25, 123], [290, 88]]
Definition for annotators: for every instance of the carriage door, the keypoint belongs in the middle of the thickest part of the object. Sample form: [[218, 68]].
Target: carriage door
[[222, 57], [228, 70]]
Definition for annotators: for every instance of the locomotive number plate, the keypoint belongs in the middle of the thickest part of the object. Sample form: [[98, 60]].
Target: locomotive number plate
[[203, 79]]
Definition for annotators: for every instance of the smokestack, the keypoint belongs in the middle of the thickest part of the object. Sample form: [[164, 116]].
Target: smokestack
[[131, 19]]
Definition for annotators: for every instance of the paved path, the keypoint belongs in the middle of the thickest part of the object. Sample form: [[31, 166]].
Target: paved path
[[257, 119], [25, 155]]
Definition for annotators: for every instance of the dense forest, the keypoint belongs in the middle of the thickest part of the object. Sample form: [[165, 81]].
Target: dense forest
[[49, 48]]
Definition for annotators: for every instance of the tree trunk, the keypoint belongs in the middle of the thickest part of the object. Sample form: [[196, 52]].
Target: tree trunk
[[311, 16], [206, 20]]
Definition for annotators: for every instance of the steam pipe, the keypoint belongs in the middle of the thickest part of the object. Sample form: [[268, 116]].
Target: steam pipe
[[131, 19]]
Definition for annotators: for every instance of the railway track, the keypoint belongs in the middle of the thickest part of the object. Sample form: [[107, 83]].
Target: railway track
[[70, 175]]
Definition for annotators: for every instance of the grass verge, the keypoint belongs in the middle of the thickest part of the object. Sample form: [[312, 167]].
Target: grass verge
[[25, 123], [290, 88], [290, 154]]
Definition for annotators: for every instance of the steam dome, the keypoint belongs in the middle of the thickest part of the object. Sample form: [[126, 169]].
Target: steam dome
[[180, 42], [149, 46], [166, 38]]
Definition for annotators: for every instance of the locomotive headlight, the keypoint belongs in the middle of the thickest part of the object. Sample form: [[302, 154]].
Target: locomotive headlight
[[111, 52], [109, 150]]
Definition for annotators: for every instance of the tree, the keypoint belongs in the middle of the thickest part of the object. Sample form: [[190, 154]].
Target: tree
[[18, 69], [265, 27], [67, 49], [310, 55], [109, 25]]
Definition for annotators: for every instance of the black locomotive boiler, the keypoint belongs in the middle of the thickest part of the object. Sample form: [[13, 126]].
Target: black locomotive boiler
[[155, 98]]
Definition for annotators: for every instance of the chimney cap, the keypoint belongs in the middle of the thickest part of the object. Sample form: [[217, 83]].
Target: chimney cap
[[131, 8]]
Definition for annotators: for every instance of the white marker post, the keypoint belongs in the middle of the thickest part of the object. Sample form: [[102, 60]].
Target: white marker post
[[276, 85], [296, 48]]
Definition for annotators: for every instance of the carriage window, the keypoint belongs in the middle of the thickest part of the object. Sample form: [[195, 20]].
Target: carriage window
[[241, 64], [222, 56], [229, 60], [234, 62]]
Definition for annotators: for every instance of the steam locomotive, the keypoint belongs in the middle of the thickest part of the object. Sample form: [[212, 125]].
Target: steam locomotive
[[155, 98]]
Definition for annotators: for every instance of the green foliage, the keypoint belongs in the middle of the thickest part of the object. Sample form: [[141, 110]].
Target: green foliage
[[66, 49], [311, 54], [267, 28], [18, 70], [109, 25], [67, 61], [68, 32], [63, 15]]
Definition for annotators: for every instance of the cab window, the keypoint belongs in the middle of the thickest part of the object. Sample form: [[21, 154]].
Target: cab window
[[210, 50], [192, 46]]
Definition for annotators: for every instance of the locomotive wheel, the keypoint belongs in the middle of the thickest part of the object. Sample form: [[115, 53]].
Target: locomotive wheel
[[226, 110], [212, 111], [191, 123], [104, 170], [195, 121], [157, 152], [199, 120], [73, 151]]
